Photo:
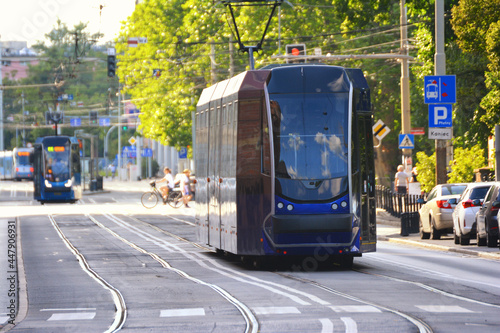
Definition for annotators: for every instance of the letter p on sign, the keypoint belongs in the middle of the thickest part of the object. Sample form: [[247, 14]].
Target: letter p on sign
[[440, 115]]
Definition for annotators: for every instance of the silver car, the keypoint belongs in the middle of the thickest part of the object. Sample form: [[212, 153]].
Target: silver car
[[464, 214], [436, 212]]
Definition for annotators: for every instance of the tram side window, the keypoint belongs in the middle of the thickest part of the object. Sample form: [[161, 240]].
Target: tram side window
[[75, 159]]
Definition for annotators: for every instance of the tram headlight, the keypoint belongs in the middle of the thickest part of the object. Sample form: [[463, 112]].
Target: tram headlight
[[280, 205], [289, 207], [343, 204], [335, 206], [68, 183], [48, 184]]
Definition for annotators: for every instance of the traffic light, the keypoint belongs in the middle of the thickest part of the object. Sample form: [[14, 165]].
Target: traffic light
[[296, 50], [124, 127], [111, 66], [93, 117]]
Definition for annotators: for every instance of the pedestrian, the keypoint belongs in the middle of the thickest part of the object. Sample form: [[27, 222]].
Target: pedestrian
[[414, 174], [401, 180], [184, 184]]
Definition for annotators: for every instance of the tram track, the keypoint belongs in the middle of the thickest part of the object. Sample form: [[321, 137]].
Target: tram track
[[120, 305], [252, 325], [421, 325]]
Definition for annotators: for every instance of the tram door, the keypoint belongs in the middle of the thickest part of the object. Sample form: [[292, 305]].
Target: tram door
[[37, 161], [368, 210], [214, 221]]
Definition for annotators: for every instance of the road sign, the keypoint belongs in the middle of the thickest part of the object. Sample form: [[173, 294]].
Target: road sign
[[132, 140], [75, 122], [104, 122], [380, 130], [406, 141], [440, 89], [129, 152], [183, 153], [439, 133], [440, 115], [417, 131], [147, 152]]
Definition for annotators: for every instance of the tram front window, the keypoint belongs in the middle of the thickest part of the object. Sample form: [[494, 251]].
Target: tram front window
[[23, 158], [310, 135], [56, 163]]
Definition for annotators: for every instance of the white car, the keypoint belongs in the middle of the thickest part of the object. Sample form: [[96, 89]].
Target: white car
[[464, 214], [436, 211]]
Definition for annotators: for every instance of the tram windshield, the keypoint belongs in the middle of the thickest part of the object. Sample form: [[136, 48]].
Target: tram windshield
[[310, 135], [22, 158], [56, 162]]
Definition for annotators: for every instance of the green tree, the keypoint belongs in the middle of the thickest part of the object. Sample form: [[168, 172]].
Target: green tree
[[426, 167], [476, 24], [466, 160]]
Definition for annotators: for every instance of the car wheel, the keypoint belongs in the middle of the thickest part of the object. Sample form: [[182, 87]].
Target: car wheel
[[435, 234], [423, 234], [456, 239], [491, 241], [480, 241], [464, 240]]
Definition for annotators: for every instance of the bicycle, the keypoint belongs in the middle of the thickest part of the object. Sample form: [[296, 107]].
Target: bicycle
[[150, 199]]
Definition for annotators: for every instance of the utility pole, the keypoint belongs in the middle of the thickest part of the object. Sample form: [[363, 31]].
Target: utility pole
[[213, 75], [24, 130], [405, 85], [231, 56], [440, 69]]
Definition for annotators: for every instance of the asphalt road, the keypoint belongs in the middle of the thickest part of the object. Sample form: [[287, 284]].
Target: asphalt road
[[108, 264]]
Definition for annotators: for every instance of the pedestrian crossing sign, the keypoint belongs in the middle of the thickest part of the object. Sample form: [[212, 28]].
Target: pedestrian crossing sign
[[406, 141]]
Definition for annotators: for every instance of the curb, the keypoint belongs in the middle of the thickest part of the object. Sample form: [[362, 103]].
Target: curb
[[486, 255]]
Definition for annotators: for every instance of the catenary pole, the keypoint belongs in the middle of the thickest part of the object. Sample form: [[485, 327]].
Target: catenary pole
[[440, 69]]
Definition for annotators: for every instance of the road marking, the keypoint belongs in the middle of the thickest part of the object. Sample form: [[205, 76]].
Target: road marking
[[354, 308], [69, 309], [276, 310], [72, 316], [444, 308], [182, 312], [326, 325], [350, 325]]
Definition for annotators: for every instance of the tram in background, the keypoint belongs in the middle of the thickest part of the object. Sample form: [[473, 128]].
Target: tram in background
[[6, 165], [23, 169], [285, 163], [57, 176]]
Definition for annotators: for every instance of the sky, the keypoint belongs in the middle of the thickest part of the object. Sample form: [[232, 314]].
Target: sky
[[30, 20]]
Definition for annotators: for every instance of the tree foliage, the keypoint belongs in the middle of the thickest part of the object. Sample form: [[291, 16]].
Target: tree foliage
[[426, 167], [466, 160]]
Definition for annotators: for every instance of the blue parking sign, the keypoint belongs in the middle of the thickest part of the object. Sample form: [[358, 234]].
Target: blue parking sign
[[183, 153], [440, 115], [440, 89]]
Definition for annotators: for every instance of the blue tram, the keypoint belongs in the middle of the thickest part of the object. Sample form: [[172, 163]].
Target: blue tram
[[23, 169], [57, 169], [285, 163]]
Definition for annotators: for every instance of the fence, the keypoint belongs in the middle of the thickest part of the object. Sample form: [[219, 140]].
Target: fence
[[404, 206]]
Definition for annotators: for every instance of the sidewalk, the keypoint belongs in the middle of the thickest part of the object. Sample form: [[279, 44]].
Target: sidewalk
[[389, 230]]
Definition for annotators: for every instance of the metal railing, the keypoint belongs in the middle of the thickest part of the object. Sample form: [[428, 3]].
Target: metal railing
[[395, 203]]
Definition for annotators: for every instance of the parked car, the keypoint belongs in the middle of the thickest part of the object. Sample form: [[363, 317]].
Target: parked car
[[486, 218], [436, 211], [464, 214]]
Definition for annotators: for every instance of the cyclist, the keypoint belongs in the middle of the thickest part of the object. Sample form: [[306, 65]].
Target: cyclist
[[169, 179]]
